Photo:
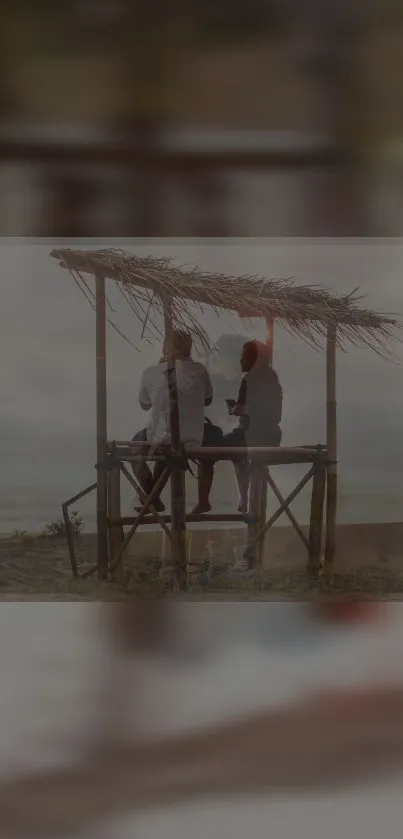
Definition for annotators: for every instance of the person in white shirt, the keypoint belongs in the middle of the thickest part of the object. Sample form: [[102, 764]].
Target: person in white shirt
[[195, 392]]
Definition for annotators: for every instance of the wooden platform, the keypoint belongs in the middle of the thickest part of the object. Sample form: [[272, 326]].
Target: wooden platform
[[123, 453], [271, 455], [126, 521]]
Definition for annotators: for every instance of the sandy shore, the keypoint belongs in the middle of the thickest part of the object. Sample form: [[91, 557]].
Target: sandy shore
[[369, 562]]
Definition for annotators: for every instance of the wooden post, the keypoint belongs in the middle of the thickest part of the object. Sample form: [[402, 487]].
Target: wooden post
[[261, 487], [257, 509], [270, 338], [316, 519], [331, 496], [254, 514], [70, 540], [116, 535], [178, 488], [102, 474]]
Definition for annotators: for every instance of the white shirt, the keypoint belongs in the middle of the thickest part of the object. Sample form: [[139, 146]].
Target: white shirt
[[194, 388]]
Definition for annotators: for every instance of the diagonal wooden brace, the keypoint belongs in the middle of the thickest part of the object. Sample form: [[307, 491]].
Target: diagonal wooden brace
[[147, 503], [278, 513], [140, 491], [288, 512]]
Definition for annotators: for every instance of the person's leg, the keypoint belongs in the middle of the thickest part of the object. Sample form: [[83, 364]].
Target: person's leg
[[212, 437], [159, 467], [142, 472], [205, 479]]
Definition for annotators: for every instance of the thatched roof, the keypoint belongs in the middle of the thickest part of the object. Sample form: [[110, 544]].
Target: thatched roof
[[305, 310]]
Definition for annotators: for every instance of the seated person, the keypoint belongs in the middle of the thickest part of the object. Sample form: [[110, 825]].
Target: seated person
[[259, 408], [226, 376], [195, 392]]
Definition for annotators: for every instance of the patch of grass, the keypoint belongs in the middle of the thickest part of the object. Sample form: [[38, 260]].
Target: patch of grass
[[20, 534], [57, 529], [53, 530], [148, 585], [291, 584]]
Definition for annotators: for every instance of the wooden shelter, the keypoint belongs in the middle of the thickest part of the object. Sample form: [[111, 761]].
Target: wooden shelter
[[311, 312]]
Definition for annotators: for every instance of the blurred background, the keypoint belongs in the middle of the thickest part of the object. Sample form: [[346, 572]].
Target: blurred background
[[204, 118]]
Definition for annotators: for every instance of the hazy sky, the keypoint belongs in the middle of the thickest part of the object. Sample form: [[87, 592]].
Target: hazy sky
[[48, 360]]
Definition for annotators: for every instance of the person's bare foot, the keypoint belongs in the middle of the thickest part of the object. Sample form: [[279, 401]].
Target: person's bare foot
[[200, 509]]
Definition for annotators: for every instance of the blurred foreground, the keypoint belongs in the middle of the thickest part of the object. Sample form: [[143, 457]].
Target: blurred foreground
[[187, 719], [120, 119], [201, 119]]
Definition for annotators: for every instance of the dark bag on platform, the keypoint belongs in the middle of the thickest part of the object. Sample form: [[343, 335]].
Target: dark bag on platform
[[213, 435]]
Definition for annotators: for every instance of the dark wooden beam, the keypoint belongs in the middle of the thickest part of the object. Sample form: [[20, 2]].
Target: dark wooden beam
[[122, 155]]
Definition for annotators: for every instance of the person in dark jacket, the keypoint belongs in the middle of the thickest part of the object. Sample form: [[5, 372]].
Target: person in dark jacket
[[259, 409]]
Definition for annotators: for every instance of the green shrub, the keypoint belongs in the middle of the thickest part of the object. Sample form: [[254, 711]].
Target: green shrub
[[57, 529]]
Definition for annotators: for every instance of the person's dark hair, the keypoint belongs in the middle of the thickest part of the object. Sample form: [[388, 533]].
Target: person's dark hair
[[251, 347], [260, 352]]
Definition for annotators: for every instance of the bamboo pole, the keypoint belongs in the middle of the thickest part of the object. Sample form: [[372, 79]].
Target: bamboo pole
[[70, 540], [270, 338], [316, 518], [178, 488], [192, 517], [102, 437], [80, 495], [331, 496], [68, 528], [261, 482], [271, 454], [115, 528], [257, 511]]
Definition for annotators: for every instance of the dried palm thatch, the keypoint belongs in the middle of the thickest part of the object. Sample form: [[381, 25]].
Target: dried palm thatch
[[147, 282]]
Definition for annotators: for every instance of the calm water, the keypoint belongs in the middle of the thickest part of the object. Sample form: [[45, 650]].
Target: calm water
[[31, 508]]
